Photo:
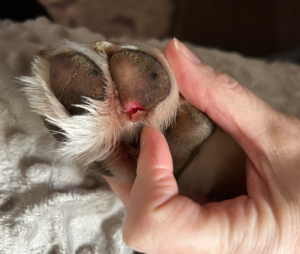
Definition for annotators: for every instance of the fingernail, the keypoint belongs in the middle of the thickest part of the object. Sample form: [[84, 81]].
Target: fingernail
[[186, 52], [143, 137]]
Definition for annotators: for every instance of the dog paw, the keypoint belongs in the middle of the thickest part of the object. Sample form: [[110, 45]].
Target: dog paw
[[96, 98]]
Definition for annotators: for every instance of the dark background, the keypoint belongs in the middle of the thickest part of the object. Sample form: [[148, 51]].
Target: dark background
[[259, 28], [21, 10], [255, 28]]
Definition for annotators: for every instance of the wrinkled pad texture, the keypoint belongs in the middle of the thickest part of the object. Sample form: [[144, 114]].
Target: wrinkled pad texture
[[50, 206]]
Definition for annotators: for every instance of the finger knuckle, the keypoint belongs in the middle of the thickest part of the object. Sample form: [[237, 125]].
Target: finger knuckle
[[282, 141], [137, 237], [225, 80]]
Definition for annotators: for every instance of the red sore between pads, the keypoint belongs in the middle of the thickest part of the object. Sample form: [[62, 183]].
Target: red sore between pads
[[132, 109]]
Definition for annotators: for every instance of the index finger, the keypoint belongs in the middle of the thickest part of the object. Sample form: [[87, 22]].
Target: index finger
[[233, 107]]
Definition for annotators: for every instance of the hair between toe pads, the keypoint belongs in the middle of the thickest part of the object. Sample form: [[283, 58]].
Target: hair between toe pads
[[96, 98]]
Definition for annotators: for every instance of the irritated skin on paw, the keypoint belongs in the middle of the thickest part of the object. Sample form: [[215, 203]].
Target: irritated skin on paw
[[73, 75], [141, 81]]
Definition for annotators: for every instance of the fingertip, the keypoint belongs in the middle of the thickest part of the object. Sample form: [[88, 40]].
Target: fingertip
[[170, 47], [190, 73], [154, 150], [148, 133]]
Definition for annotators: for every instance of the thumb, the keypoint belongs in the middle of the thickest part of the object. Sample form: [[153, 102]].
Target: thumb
[[154, 185]]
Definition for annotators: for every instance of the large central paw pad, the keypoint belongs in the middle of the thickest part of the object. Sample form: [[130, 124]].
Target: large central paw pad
[[141, 81]]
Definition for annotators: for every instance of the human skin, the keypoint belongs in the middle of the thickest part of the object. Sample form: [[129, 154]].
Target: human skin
[[266, 221]]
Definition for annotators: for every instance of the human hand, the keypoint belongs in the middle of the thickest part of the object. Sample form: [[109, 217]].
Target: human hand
[[266, 221]]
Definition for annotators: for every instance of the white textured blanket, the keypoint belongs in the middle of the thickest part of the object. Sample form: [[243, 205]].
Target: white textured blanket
[[49, 206], [46, 206]]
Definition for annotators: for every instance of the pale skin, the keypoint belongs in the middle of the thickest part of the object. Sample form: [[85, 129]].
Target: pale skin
[[266, 221]]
